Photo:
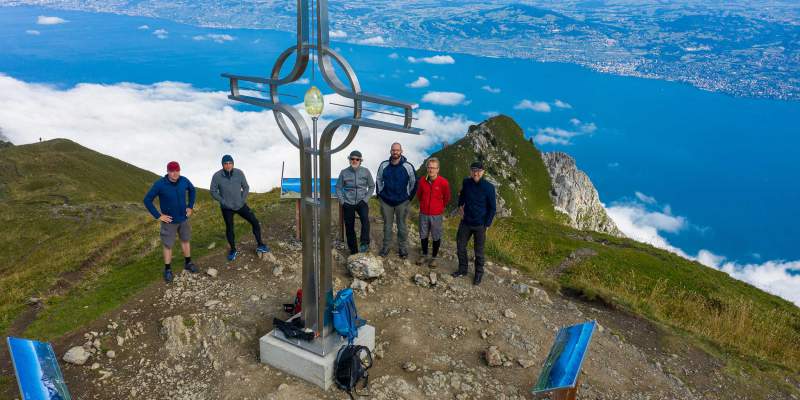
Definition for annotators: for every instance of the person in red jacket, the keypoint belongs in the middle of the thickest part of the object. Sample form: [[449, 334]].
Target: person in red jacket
[[433, 192]]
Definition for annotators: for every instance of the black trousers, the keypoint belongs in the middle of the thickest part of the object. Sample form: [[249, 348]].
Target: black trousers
[[462, 238], [349, 213], [246, 213]]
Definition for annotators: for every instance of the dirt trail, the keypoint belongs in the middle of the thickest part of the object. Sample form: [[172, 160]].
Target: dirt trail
[[198, 337]]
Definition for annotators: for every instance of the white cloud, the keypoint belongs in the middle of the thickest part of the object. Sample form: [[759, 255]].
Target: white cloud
[[490, 89], [613, 164], [149, 125], [551, 135], [638, 222], [301, 81], [561, 104], [394, 56], [421, 82], [216, 37], [545, 139], [33, 32], [373, 40], [438, 59], [143, 27], [161, 33], [490, 114], [444, 98], [645, 198], [538, 106], [337, 34], [45, 20], [480, 77]]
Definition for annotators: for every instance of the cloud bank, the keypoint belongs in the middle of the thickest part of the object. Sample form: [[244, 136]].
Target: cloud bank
[[149, 125], [216, 37], [373, 40]]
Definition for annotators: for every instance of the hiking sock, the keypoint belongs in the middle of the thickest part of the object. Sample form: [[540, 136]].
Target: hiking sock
[[187, 260], [424, 246], [436, 244], [167, 267]]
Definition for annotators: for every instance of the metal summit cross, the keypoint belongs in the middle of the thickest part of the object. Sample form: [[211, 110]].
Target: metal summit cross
[[315, 158]]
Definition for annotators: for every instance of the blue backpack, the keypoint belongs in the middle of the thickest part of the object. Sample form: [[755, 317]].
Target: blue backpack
[[345, 317]]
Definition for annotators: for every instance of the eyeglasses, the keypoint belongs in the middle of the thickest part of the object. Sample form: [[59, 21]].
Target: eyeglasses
[[355, 159]]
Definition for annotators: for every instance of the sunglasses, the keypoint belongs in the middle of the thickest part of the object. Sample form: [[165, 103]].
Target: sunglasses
[[355, 159]]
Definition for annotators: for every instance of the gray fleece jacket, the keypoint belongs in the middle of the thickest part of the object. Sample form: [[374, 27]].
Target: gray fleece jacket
[[230, 189], [354, 185]]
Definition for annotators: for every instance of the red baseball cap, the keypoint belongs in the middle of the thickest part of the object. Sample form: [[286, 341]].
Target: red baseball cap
[[173, 166]]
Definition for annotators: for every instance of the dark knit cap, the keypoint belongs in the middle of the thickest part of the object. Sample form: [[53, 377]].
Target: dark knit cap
[[355, 153], [227, 158], [476, 165]]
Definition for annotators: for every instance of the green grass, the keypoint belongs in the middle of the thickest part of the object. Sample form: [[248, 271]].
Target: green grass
[[733, 317], [80, 237]]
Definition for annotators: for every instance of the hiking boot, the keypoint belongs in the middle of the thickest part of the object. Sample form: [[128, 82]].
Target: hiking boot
[[384, 252], [190, 267], [262, 249], [423, 259], [168, 275], [402, 254], [432, 262], [364, 248], [458, 274], [232, 255], [477, 280]]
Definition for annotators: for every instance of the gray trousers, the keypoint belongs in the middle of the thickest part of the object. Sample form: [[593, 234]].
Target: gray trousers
[[392, 215]]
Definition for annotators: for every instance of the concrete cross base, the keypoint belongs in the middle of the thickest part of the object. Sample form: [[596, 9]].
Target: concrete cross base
[[304, 364]]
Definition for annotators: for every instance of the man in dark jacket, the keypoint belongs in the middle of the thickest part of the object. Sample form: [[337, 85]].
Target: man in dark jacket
[[171, 191], [229, 187], [397, 184], [476, 204], [354, 188]]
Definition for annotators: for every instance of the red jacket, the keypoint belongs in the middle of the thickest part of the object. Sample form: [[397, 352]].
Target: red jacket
[[433, 197]]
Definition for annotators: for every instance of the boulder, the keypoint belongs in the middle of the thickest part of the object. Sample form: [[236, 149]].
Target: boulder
[[176, 336], [493, 357], [365, 266], [77, 355]]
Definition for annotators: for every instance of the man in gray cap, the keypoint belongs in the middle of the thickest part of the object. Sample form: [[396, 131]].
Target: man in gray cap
[[476, 204], [229, 187], [354, 188]]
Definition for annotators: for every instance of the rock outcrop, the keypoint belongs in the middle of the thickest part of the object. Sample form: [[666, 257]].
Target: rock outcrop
[[574, 195]]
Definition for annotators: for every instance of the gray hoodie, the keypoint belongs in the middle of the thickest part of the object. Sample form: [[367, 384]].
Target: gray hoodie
[[354, 185], [230, 189]]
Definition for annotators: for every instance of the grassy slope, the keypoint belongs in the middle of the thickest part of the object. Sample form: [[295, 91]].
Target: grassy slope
[[723, 314], [80, 237]]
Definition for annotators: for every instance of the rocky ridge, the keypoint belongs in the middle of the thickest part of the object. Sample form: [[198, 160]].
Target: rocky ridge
[[575, 196]]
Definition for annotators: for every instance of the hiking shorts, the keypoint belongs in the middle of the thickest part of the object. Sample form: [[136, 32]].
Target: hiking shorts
[[430, 224], [168, 232]]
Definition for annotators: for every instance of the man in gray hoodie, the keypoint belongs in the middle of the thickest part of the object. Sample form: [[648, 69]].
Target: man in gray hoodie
[[354, 188], [229, 187]]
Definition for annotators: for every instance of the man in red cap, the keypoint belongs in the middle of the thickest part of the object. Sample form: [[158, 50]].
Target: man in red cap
[[171, 191]]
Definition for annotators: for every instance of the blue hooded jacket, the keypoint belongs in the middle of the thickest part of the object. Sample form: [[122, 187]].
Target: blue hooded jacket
[[396, 183], [172, 198]]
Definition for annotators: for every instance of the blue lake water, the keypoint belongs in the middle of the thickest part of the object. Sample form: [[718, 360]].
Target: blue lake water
[[727, 164]]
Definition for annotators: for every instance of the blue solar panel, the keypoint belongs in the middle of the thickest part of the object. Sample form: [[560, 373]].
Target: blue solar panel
[[37, 370], [290, 188], [564, 362]]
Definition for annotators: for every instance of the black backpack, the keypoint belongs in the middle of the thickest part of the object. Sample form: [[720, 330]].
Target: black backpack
[[350, 368]]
